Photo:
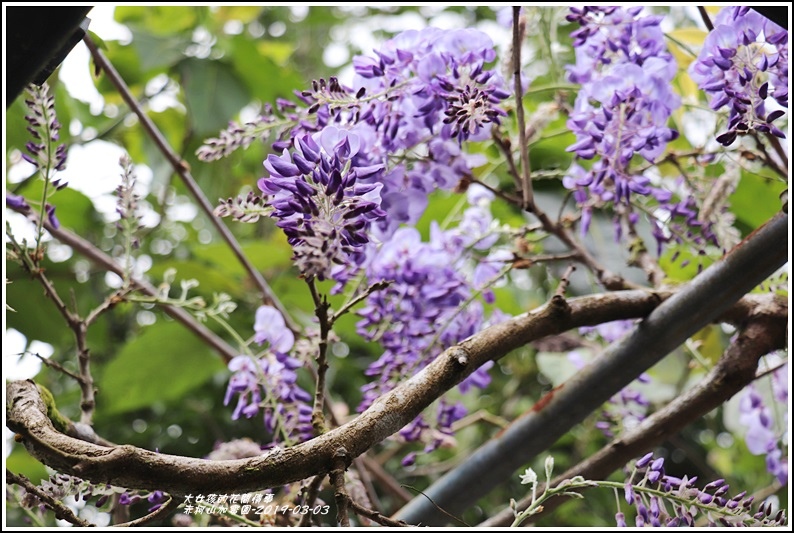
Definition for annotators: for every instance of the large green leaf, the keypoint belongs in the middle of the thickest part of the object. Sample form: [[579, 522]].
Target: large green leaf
[[160, 365], [256, 65], [213, 93], [756, 199]]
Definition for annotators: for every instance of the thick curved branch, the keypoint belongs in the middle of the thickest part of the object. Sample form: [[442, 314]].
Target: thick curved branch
[[700, 302], [135, 468], [764, 333]]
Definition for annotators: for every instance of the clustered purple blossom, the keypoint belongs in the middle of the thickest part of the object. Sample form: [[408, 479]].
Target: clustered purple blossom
[[621, 111], [416, 100], [43, 125], [269, 382], [428, 306], [743, 64], [324, 200], [625, 100], [686, 501], [762, 437]]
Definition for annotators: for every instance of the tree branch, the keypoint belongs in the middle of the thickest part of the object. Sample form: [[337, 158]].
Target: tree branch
[[703, 300], [98, 257], [135, 468], [62, 512], [181, 168], [764, 333], [519, 28]]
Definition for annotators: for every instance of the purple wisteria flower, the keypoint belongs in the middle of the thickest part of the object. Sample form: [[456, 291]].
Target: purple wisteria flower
[[762, 435], [744, 66], [324, 202], [269, 382], [625, 100], [681, 503], [430, 304], [621, 112]]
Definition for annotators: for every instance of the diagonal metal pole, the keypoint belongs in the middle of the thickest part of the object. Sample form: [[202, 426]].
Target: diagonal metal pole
[[702, 301]]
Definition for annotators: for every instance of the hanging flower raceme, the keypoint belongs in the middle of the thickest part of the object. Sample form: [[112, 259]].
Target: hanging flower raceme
[[323, 201], [432, 302], [625, 101], [269, 382], [744, 66]]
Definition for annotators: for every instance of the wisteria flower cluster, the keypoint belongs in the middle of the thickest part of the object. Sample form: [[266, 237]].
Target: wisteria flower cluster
[[429, 305], [653, 491], [268, 382], [625, 100], [323, 200], [743, 66], [621, 111], [762, 436]]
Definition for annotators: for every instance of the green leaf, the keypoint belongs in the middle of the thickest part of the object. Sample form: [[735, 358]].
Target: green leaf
[[161, 364], [756, 199], [213, 93], [36, 317], [256, 65], [157, 52], [160, 20], [21, 462]]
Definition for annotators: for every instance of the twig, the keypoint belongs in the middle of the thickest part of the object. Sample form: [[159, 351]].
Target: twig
[[337, 476], [386, 479], [181, 168], [377, 286], [56, 365], [321, 307], [312, 491], [706, 19], [503, 195], [640, 256], [162, 512], [519, 26], [374, 515], [438, 507], [97, 256], [504, 145], [62, 512], [564, 282]]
